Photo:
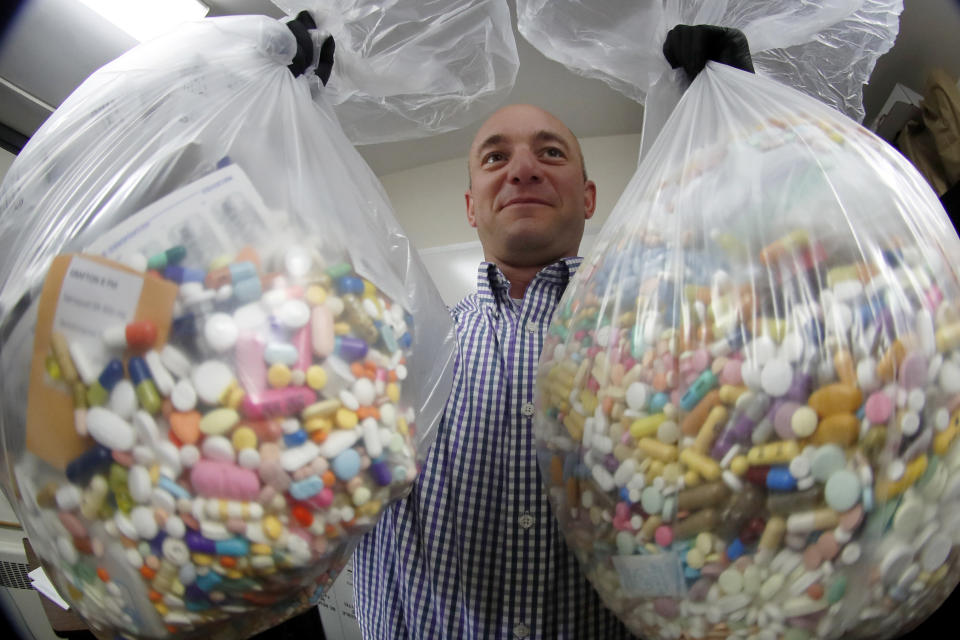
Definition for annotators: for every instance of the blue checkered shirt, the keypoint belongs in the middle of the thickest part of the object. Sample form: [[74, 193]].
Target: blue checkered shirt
[[474, 551]]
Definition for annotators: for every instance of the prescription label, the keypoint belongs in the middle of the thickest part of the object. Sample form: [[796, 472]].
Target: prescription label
[[217, 213], [651, 576], [83, 295]]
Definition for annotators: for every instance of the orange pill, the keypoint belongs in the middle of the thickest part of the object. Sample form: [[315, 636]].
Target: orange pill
[[147, 572], [154, 595], [186, 426], [227, 562], [815, 591], [329, 479], [141, 334], [357, 370], [319, 435], [102, 574], [302, 515]]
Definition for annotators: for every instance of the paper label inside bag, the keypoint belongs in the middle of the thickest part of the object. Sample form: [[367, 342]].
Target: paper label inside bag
[[651, 576], [83, 295], [216, 214]]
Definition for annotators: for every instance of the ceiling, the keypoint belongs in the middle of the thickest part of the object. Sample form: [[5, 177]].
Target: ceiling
[[35, 77]]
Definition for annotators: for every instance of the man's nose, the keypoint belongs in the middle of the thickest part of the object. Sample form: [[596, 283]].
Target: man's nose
[[524, 167]]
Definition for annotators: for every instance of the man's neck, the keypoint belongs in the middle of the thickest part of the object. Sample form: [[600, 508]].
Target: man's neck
[[519, 277]]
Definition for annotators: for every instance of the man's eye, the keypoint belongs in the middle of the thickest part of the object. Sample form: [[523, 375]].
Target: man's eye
[[494, 156], [554, 152]]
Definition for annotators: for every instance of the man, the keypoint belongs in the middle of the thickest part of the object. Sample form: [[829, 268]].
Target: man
[[474, 552]]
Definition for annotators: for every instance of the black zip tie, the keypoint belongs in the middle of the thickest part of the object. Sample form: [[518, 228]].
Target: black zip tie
[[690, 46], [300, 28]]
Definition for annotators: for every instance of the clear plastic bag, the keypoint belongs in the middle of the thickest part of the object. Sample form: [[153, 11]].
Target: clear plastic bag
[[405, 68], [825, 48], [748, 404], [222, 358]]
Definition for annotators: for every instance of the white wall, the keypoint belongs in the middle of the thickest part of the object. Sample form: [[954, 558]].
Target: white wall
[[429, 205], [6, 159]]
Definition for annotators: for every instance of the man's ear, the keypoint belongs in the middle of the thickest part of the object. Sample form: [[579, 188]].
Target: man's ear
[[589, 198], [471, 214]]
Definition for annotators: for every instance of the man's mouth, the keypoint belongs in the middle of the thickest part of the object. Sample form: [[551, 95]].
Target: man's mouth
[[522, 201]]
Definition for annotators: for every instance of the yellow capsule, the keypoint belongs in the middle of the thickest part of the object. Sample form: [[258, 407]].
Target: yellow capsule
[[61, 351], [260, 549], [691, 479], [316, 377], [739, 465], [341, 328], [588, 400], [234, 574], [393, 392], [729, 393], [53, 367], [322, 408], [885, 489], [272, 527], [369, 509], [658, 450], [177, 588], [774, 453], [279, 375], [161, 608], [346, 419], [647, 426], [369, 290], [402, 427], [948, 337], [244, 438], [704, 465], [220, 262], [708, 432], [233, 395], [201, 559], [318, 423], [573, 421]]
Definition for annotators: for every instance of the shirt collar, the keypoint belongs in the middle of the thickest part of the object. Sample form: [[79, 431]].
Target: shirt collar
[[492, 285]]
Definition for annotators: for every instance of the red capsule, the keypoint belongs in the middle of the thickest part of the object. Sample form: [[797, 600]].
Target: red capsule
[[758, 475]]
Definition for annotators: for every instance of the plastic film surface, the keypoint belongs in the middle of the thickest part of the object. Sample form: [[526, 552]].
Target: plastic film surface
[[249, 358], [747, 406]]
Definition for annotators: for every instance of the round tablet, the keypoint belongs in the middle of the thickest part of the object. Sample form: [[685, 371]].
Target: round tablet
[[776, 377], [800, 467], [843, 490], [731, 581], [668, 432], [791, 349], [867, 374], [297, 261], [804, 422], [895, 562], [827, 460], [652, 500], [221, 332], [250, 317], [909, 423], [878, 408], [184, 396], [750, 372], [950, 377], [762, 349], [293, 314], [210, 380]]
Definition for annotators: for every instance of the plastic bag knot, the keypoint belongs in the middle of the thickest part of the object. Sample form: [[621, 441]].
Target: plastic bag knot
[[690, 46], [300, 28]]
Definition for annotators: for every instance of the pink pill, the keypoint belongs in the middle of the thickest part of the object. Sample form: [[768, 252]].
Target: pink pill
[[323, 499], [879, 407], [827, 544], [663, 536], [666, 607], [913, 371], [700, 360], [73, 524], [224, 480], [731, 373], [812, 558]]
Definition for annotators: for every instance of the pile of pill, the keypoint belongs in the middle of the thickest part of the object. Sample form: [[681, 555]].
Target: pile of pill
[[230, 468], [758, 443]]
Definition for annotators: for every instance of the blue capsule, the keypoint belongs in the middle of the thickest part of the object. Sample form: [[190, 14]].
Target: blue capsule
[[735, 549], [139, 371], [111, 374], [350, 284], [779, 478], [296, 438], [89, 463]]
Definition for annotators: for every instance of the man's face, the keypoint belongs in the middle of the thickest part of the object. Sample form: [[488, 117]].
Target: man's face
[[528, 198]]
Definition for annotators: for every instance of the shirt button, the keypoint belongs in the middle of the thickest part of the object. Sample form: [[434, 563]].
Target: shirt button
[[526, 521], [532, 327], [527, 409], [521, 630]]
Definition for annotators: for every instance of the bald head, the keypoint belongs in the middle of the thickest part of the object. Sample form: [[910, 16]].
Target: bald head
[[487, 133]]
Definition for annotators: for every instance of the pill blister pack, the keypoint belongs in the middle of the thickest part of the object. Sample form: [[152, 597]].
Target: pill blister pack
[[235, 443], [749, 401]]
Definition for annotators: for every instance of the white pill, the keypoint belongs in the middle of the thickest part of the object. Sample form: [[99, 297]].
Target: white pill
[[143, 454], [762, 349], [800, 467], [371, 437], [175, 361], [925, 332], [941, 419], [109, 429], [791, 349], [224, 293], [293, 314], [842, 317], [776, 377], [138, 481], [910, 423], [214, 530], [189, 456], [217, 448], [125, 525], [750, 372], [401, 371], [388, 416], [297, 262], [123, 399], [169, 455], [86, 366], [162, 499], [950, 377], [210, 380], [371, 309], [144, 522], [290, 425], [866, 374], [221, 332], [296, 457], [175, 551], [249, 458], [250, 317], [183, 397], [135, 260], [348, 400], [68, 497], [364, 392], [337, 442], [636, 396], [161, 377]]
